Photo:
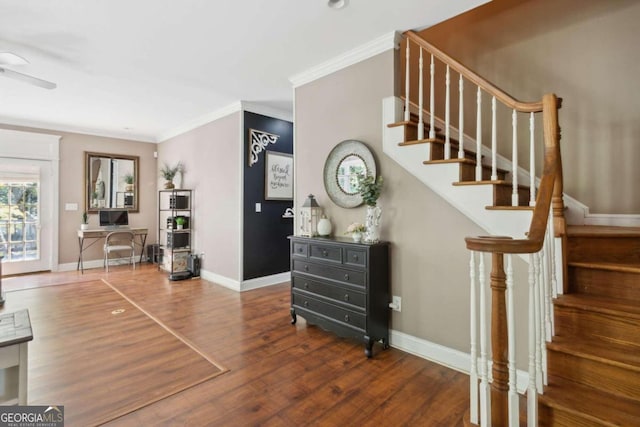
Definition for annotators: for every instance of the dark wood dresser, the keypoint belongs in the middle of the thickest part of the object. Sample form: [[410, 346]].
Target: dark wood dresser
[[342, 286]]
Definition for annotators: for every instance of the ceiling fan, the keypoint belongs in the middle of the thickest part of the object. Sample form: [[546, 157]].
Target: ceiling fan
[[8, 58]]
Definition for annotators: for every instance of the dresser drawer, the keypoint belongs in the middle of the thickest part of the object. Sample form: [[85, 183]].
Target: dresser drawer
[[300, 249], [356, 278], [339, 314], [356, 257], [337, 293], [326, 253]]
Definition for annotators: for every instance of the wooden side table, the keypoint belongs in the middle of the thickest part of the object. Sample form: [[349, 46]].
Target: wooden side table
[[15, 334]]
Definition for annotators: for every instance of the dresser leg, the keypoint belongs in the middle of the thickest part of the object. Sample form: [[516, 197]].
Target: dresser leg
[[368, 346], [294, 318]]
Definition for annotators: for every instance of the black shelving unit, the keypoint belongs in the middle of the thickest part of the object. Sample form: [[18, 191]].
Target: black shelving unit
[[175, 239]]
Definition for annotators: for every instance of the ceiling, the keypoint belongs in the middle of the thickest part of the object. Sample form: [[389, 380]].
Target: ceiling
[[138, 69]]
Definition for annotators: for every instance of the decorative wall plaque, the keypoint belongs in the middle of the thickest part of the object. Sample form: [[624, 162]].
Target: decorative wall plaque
[[258, 141]]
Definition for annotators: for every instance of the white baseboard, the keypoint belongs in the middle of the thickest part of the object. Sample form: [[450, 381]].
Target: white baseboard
[[245, 285], [451, 358], [93, 263], [261, 282]]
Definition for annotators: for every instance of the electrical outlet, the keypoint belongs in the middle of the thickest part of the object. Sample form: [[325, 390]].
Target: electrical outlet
[[396, 303]]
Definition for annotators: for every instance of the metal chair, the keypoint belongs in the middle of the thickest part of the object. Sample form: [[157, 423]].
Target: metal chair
[[119, 241]]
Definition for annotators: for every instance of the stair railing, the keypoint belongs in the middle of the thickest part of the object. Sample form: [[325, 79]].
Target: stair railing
[[494, 399]]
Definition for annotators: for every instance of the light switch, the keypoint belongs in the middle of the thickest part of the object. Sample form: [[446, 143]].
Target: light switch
[[258, 207], [70, 206]]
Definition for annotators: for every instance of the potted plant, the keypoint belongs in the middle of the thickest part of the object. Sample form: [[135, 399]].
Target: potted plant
[[180, 222], [369, 189], [168, 173], [128, 180], [85, 221], [356, 229]]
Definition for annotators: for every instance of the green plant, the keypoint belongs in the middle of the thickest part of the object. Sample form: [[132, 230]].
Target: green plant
[[85, 217], [169, 173], [128, 178], [369, 188], [180, 220]]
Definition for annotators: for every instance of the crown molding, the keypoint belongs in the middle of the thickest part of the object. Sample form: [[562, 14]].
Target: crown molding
[[360, 53], [56, 127], [265, 110], [200, 121]]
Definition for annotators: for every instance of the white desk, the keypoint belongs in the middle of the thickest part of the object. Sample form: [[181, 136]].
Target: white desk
[[96, 234]]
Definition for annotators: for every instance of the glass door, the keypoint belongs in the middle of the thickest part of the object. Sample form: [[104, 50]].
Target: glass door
[[22, 210]]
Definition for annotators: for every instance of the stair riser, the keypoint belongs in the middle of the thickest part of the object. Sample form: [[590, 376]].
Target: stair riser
[[502, 196], [604, 283], [574, 322], [437, 152], [606, 249], [612, 379], [556, 417]]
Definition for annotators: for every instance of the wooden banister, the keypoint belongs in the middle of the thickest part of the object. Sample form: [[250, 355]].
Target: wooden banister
[[502, 96]]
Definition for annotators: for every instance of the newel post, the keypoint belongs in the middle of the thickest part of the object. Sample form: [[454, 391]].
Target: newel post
[[499, 343]]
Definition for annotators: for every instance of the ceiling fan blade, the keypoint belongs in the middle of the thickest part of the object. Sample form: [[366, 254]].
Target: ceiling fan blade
[[8, 58], [27, 79]]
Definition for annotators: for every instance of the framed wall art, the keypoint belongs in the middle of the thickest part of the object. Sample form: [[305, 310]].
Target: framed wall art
[[278, 176]]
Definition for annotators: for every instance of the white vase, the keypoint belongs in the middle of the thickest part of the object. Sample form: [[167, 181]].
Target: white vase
[[84, 226], [356, 236], [374, 214], [324, 226]]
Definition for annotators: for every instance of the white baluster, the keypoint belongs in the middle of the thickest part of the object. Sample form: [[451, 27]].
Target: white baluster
[[532, 161], [538, 321], [514, 159], [485, 392], [406, 85], [473, 380], [532, 395], [479, 135], [420, 99], [514, 410], [494, 141], [447, 115], [432, 102], [461, 118], [548, 289]]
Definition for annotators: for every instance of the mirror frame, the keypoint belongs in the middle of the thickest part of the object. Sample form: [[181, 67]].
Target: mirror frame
[[87, 179], [344, 149]]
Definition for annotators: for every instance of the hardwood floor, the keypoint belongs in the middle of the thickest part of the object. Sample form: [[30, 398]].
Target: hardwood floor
[[278, 374]]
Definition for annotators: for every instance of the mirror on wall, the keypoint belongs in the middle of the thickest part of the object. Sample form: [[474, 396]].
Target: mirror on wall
[[111, 181], [344, 163]]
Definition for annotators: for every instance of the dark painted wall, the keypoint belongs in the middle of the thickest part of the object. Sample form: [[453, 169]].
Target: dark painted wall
[[266, 247]]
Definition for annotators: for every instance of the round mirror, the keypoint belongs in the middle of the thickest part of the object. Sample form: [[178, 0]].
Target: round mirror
[[347, 174], [344, 163]]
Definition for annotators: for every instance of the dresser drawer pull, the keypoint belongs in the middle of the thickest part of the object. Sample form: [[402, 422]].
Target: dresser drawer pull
[[346, 277], [355, 257], [306, 268], [300, 250], [325, 253], [306, 303], [306, 285], [346, 317], [346, 297]]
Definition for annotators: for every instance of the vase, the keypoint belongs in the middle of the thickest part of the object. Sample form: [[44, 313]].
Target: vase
[[372, 235], [324, 226], [169, 185], [356, 236]]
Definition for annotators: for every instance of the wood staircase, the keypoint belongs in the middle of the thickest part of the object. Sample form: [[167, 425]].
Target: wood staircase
[[594, 357]]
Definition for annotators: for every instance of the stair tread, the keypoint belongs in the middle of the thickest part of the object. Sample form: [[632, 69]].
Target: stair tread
[[599, 304], [418, 141], [509, 208], [456, 160], [621, 354], [609, 266], [602, 231], [499, 182], [413, 123], [591, 403]]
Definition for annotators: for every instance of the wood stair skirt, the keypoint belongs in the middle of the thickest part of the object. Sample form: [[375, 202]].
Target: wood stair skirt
[[594, 357]]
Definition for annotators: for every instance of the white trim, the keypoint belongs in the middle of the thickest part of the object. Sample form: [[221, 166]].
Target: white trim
[[265, 110], [261, 282], [220, 280], [199, 121], [445, 356], [95, 263], [58, 127], [360, 53], [241, 162]]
